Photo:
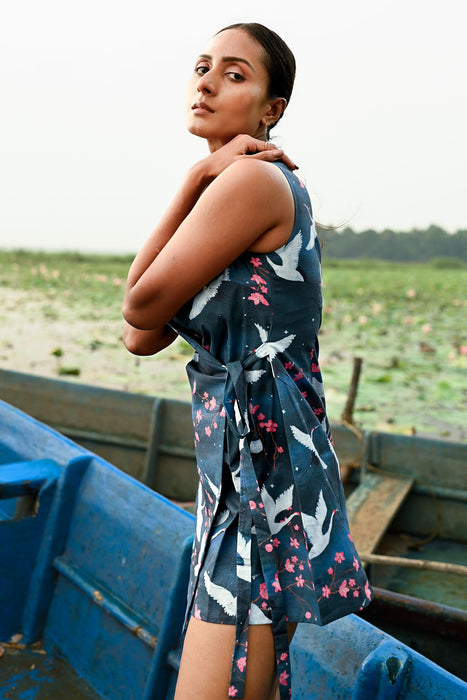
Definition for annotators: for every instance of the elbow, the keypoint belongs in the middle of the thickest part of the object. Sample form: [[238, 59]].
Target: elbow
[[132, 340], [141, 315]]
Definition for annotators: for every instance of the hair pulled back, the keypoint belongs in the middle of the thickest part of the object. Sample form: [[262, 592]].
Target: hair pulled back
[[278, 59]]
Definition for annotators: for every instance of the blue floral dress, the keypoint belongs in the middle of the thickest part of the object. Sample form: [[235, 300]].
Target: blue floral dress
[[272, 542]]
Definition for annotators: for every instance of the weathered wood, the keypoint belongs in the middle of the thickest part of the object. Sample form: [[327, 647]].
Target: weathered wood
[[372, 507], [424, 564]]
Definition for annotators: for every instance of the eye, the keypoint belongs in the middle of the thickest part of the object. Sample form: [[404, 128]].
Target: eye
[[236, 77], [201, 69]]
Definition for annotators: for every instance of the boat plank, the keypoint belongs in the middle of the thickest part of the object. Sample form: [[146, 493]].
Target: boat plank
[[372, 507]]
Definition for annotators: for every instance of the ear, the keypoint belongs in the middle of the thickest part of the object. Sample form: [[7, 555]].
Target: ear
[[274, 110]]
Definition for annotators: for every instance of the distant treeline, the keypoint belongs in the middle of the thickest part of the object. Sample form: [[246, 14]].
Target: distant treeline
[[412, 246]]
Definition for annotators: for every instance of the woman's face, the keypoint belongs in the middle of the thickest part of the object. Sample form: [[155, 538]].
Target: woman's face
[[227, 93]]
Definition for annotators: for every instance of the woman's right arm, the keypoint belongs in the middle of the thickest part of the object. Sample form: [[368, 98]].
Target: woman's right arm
[[197, 179]]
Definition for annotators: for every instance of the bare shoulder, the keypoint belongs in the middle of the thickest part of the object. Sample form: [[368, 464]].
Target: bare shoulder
[[257, 184], [253, 171]]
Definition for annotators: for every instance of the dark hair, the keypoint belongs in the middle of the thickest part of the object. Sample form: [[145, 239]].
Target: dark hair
[[278, 59]]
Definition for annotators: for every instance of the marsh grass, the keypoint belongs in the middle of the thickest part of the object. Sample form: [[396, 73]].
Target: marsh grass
[[406, 321]]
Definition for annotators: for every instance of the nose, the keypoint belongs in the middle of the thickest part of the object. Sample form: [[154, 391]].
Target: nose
[[206, 83]]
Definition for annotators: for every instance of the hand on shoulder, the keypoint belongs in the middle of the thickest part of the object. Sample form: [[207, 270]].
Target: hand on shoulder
[[242, 147]]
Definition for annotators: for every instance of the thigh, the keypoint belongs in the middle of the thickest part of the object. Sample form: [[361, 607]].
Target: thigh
[[207, 657]]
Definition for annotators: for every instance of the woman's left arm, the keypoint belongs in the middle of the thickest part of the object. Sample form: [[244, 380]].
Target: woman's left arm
[[248, 199]]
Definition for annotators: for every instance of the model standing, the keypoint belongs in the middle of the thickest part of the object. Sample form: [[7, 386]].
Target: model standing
[[234, 268]]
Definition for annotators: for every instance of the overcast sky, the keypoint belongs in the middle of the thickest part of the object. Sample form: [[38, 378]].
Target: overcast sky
[[92, 135]]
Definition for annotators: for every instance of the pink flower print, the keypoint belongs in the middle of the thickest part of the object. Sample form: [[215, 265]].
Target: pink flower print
[[198, 415], [196, 437], [207, 430], [308, 615], [289, 566], [256, 278], [284, 656], [253, 409], [276, 542], [256, 262], [356, 564], [205, 395], [280, 450], [355, 594], [367, 590], [301, 567], [326, 591], [212, 404], [194, 387], [263, 591], [252, 505], [283, 678], [300, 581], [261, 416], [298, 376], [264, 290], [197, 613], [288, 365], [276, 584], [315, 368], [330, 571], [232, 691], [344, 589], [268, 547], [351, 582], [317, 411], [294, 559], [304, 394], [339, 557], [258, 298], [270, 426], [350, 537], [214, 425], [296, 527], [294, 542], [241, 663]]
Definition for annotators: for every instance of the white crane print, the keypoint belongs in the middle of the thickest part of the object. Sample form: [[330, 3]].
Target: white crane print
[[273, 507], [313, 525], [289, 254], [307, 440], [221, 595], [208, 293], [272, 348]]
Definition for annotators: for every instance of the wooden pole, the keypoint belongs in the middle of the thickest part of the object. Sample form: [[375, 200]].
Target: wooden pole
[[347, 413]]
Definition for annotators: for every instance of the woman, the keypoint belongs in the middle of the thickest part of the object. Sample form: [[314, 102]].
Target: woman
[[234, 268]]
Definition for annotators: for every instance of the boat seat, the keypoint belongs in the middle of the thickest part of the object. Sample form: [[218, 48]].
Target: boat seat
[[372, 507], [26, 492], [108, 592]]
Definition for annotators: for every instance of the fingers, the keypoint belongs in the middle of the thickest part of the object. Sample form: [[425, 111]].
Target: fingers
[[265, 150], [273, 154]]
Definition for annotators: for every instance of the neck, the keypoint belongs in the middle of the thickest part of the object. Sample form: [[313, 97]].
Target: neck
[[215, 144]]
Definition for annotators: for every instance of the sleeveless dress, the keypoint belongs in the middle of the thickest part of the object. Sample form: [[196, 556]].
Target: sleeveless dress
[[272, 542]]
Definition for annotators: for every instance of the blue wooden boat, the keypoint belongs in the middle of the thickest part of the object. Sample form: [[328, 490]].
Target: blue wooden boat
[[92, 603]]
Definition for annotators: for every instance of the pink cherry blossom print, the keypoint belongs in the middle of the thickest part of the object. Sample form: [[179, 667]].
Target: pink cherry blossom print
[[258, 298], [283, 678], [241, 663]]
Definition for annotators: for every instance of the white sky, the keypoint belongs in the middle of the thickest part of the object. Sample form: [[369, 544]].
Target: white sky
[[92, 136]]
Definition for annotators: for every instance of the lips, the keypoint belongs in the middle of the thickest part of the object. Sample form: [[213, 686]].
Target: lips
[[203, 107]]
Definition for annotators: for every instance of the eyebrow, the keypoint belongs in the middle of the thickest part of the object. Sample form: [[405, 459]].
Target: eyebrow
[[229, 59]]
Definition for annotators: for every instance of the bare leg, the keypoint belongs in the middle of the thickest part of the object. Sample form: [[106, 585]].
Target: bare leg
[[207, 656]]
